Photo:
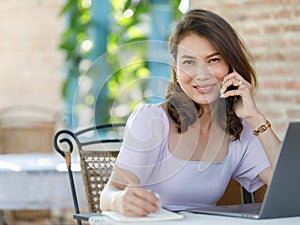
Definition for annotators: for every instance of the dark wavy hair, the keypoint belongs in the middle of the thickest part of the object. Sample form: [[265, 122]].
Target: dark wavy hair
[[223, 37]]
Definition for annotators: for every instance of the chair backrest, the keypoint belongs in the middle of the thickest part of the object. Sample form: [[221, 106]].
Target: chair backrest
[[26, 129], [236, 194], [232, 195], [259, 195], [98, 148]]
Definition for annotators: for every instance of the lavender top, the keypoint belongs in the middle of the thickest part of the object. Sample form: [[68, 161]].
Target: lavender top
[[180, 183]]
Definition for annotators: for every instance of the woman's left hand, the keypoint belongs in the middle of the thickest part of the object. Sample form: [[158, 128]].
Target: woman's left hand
[[245, 106]]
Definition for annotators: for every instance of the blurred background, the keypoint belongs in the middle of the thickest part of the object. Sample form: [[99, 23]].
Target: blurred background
[[46, 47]]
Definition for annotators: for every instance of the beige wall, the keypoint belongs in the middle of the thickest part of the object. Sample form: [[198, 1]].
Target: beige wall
[[271, 30], [30, 60]]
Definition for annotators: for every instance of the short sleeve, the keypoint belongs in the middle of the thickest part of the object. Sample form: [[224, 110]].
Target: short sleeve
[[252, 161], [145, 137]]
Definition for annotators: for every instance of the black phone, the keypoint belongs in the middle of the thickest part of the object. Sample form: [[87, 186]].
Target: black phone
[[230, 100]]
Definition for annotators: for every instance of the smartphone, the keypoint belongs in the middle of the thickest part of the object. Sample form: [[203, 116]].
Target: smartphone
[[230, 100]]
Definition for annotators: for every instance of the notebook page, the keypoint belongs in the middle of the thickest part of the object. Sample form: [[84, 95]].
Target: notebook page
[[162, 214]]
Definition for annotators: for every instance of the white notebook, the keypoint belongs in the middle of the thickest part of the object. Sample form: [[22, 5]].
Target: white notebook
[[162, 214]]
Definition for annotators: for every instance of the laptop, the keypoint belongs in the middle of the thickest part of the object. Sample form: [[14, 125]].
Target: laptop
[[282, 198]]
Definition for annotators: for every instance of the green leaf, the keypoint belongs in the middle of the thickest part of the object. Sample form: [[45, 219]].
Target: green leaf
[[69, 6]]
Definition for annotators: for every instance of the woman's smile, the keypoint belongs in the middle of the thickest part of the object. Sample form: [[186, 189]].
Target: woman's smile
[[200, 69], [205, 88]]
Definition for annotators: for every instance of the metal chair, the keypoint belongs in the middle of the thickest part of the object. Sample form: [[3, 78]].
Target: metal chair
[[98, 147]]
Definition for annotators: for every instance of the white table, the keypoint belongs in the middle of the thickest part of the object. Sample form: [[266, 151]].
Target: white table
[[38, 181], [201, 219]]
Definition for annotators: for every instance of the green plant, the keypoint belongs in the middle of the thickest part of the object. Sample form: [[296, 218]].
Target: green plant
[[127, 18], [76, 34]]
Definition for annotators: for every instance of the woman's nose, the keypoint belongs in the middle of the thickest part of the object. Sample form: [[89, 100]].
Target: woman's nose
[[202, 72]]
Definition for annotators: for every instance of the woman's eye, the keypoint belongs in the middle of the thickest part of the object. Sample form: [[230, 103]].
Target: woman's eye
[[188, 62], [214, 60]]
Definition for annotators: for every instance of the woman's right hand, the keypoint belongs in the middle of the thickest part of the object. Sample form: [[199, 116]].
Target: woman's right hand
[[135, 201]]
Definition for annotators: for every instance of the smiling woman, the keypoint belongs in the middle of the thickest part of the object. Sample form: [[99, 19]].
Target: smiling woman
[[200, 69], [195, 144]]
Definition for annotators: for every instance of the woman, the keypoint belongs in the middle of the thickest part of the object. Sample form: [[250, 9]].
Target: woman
[[182, 153]]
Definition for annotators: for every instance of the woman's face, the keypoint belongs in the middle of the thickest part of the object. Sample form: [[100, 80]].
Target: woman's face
[[200, 69]]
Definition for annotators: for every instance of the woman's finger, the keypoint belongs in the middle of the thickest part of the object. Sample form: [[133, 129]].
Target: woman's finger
[[140, 201], [133, 210], [148, 195]]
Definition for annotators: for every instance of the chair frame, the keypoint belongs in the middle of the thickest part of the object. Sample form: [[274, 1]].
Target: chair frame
[[68, 137]]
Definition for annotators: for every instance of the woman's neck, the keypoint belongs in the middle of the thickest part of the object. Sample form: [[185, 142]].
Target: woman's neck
[[209, 116]]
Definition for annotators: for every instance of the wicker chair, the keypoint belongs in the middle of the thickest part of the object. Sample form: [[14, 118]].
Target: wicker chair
[[27, 129], [98, 147]]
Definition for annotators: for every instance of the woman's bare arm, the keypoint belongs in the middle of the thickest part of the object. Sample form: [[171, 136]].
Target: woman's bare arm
[[270, 143], [122, 194]]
